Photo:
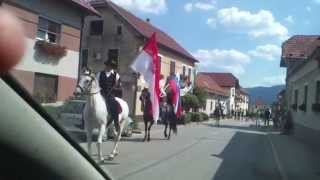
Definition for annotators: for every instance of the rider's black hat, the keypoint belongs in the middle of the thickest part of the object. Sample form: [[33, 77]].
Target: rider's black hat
[[111, 62]]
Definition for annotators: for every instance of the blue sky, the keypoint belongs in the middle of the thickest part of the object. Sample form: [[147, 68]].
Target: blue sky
[[243, 37]]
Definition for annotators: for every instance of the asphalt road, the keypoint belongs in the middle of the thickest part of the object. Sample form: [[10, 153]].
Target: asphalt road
[[236, 150]]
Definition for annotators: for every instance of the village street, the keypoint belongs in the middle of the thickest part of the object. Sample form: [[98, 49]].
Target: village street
[[236, 150]]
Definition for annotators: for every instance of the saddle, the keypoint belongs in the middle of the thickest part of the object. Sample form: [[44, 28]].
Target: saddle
[[119, 107]]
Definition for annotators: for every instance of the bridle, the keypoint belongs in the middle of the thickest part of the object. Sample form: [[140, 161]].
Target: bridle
[[89, 74]]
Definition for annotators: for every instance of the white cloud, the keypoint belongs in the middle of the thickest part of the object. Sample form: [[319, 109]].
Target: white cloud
[[231, 60], [289, 19], [268, 52], [316, 1], [188, 7], [144, 6], [212, 22], [261, 24], [205, 6], [308, 8]]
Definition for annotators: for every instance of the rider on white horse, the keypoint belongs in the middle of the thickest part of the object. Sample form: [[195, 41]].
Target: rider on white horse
[[109, 82]]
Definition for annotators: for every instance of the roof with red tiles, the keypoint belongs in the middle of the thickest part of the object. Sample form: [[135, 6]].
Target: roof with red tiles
[[260, 103], [299, 47], [85, 5], [223, 79], [206, 82], [146, 28]]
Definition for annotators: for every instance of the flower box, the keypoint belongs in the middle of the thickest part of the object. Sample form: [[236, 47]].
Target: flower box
[[50, 49], [294, 107], [303, 107], [316, 107]]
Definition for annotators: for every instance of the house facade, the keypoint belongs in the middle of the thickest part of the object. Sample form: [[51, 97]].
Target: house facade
[[49, 68], [215, 94], [301, 58], [119, 35], [238, 99], [242, 101]]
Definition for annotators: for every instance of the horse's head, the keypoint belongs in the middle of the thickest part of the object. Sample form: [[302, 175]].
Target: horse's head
[[85, 82], [145, 94], [144, 97]]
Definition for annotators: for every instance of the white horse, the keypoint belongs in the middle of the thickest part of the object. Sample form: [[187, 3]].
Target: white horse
[[95, 112]]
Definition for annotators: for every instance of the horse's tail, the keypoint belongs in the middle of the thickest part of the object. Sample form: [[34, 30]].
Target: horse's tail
[[174, 126]]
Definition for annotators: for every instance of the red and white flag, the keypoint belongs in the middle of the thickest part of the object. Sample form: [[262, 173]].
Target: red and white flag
[[147, 64]]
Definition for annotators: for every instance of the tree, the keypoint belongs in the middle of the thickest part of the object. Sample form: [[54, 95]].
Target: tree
[[190, 101], [201, 95]]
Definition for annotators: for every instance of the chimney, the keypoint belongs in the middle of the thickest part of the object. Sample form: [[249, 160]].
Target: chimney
[[148, 20]]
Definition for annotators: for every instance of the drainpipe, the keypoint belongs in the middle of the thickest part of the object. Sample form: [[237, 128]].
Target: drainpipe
[[80, 50]]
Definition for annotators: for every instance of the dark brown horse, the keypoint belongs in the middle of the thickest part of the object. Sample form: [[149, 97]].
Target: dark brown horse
[[146, 108]]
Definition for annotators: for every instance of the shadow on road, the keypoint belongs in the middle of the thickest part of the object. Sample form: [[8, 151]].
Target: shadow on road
[[246, 128], [247, 156]]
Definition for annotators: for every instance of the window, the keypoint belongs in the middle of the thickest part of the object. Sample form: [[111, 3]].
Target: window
[[84, 58], [45, 88], [96, 27], [119, 30], [296, 92], [113, 55], [48, 30], [183, 70], [189, 73], [211, 105], [318, 92], [172, 67]]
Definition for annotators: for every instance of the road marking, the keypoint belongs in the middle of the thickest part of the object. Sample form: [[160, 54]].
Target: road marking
[[278, 163]]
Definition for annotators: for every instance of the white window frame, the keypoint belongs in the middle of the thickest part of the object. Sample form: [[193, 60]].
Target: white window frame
[[47, 32]]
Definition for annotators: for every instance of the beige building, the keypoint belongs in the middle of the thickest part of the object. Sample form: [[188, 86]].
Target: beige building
[[120, 35], [215, 94], [49, 68], [301, 57]]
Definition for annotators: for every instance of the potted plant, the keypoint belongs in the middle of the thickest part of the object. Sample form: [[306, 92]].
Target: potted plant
[[294, 107], [316, 107], [51, 49], [303, 107]]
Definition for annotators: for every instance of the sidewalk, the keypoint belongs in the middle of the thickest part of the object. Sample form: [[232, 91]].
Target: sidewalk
[[295, 159]]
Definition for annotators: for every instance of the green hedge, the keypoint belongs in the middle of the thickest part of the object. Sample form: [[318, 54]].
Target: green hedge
[[194, 117], [205, 116], [186, 118]]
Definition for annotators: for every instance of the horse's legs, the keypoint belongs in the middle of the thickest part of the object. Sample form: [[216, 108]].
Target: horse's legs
[[89, 140], [165, 128], [170, 127], [116, 141], [102, 130], [149, 128], [145, 128]]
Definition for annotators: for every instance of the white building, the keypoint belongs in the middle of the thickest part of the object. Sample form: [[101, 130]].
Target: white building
[[301, 58], [237, 98]]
